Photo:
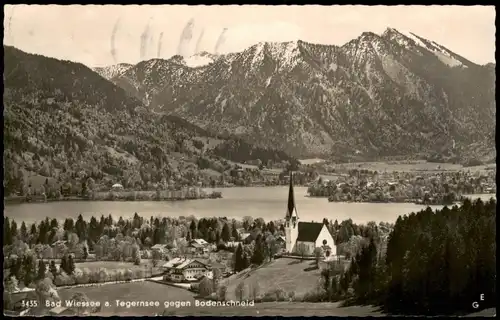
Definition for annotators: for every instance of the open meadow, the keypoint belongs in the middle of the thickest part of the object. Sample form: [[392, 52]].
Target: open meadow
[[149, 291], [288, 274], [282, 309], [407, 166], [146, 264], [129, 292]]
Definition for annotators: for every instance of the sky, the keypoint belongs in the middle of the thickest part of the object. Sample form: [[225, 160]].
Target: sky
[[108, 34]]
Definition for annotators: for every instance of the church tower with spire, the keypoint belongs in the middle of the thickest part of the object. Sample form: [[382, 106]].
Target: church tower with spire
[[291, 220]]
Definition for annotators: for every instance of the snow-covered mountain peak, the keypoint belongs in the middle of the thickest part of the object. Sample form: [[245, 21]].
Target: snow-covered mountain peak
[[284, 53], [415, 43], [314, 98], [112, 71], [199, 60]]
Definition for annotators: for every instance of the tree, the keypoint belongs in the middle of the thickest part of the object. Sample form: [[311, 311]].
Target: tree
[[234, 231], [85, 249], [239, 263], [156, 256], [240, 291], [247, 222], [13, 229], [23, 232], [272, 246], [46, 291], [71, 264], [205, 287], [16, 268], [73, 240], [7, 236], [225, 234], [216, 275], [271, 227], [136, 254], [317, 255], [258, 253], [81, 302], [221, 293], [11, 284], [64, 263], [42, 270], [53, 268], [29, 268]]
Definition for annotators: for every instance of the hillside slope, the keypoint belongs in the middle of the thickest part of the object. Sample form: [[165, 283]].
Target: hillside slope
[[63, 120], [376, 96], [290, 275]]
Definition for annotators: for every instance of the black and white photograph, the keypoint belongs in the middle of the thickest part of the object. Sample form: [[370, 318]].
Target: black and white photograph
[[249, 160]]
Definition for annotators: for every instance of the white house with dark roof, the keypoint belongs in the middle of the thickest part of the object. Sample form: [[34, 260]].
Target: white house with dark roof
[[307, 235], [183, 269]]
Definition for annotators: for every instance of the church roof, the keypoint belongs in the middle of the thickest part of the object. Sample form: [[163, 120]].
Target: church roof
[[309, 231], [291, 209]]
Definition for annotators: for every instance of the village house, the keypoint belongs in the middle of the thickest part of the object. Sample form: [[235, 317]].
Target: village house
[[218, 266], [183, 269], [233, 244], [280, 240], [244, 237], [304, 237], [58, 242], [117, 187], [199, 246], [162, 248]]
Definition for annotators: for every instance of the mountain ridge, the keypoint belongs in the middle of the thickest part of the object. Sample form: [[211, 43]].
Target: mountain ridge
[[377, 95]]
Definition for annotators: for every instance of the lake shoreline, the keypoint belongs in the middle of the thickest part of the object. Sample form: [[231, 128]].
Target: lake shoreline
[[269, 203], [11, 201]]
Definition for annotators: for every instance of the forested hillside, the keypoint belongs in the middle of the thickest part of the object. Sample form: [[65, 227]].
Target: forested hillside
[[436, 263], [64, 123]]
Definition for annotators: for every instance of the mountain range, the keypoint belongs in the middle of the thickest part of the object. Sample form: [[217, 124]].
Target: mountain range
[[62, 118], [394, 94]]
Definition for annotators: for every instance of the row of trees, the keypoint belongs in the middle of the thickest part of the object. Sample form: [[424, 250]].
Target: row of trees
[[81, 236], [436, 263]]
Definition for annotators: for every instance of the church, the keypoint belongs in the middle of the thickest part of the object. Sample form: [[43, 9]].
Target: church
[[305, 237]]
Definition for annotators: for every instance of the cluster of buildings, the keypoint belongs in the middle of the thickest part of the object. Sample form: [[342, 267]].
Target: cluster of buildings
[[301, 239], [432, 188]]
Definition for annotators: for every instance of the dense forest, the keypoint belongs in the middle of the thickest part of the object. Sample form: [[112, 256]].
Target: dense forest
[[436, 263]]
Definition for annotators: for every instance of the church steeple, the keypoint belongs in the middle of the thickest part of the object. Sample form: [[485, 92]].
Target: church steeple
[[291, 208]]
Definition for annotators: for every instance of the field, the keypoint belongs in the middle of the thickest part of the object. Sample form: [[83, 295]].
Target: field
[[129, 292], [284, 309], [285, 273], [150, 291], [114, 265], [311, 161], [407, 166], [146, 265]]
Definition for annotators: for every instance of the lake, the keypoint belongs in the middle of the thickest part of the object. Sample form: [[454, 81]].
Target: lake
[[266, 202]]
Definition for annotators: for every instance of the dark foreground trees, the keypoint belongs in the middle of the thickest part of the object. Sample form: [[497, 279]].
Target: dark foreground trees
[[437, 263], [442, 262]]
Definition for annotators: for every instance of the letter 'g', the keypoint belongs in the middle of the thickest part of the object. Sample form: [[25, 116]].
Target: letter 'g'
[[475, 305]]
